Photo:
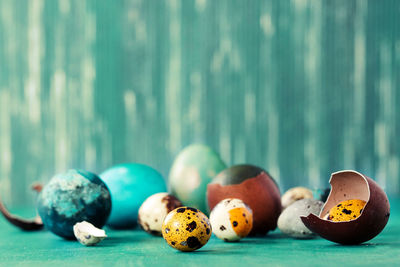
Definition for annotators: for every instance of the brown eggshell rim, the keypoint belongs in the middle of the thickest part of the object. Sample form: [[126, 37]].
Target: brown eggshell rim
[[360, 229], [22, 223]]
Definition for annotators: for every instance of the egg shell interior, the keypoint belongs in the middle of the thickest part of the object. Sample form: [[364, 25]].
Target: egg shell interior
[[346, 186], [352, 185]]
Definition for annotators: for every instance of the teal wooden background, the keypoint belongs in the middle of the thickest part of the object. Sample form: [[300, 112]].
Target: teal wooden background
[[301, 88]]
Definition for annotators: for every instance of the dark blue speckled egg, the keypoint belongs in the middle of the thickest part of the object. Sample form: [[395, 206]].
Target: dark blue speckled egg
[[72, 197]]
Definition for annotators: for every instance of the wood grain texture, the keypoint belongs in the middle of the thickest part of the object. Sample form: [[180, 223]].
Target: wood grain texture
[[302, 88]]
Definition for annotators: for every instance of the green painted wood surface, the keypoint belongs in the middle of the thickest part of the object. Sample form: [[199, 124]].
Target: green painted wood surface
[[302, 88], [137, 248]]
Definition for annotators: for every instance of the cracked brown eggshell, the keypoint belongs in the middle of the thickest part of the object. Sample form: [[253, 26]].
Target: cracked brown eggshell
[[346, 185], [34, 224], [22, 223], [255, 187]]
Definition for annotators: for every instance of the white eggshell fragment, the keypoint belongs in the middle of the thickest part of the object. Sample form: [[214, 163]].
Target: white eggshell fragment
[[154, 210], [289, 221], [231, 219], [87, 234], [294, 194]]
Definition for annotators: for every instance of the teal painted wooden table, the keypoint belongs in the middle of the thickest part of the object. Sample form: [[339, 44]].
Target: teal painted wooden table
[[137, 248]]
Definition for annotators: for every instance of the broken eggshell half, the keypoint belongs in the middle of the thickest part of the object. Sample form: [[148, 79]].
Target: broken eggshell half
[[34, 224], [24, 224], [255, 187], [346, 185]]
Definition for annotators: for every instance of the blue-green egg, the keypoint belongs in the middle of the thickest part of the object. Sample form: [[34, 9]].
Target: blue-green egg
[[130, 184], [194, 167], [72, 197]]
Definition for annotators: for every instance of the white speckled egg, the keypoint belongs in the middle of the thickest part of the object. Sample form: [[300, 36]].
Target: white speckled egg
[[154, 210], [289, 221], [231, 219]]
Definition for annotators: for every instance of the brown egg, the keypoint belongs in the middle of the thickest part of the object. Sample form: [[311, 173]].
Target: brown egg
[[352, 185], [255, 187]]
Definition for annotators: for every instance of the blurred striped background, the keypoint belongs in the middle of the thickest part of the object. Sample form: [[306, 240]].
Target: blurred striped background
[[302, 88]]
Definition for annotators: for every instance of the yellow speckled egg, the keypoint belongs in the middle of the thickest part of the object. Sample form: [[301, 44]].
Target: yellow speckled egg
[[231, 219], [346, 210], [186, 229]]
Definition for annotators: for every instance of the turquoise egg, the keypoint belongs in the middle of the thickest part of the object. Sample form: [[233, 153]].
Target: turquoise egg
[[130, 184], [192, 170]]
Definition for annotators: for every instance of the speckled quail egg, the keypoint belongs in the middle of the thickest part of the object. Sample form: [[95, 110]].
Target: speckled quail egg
[[186, 229], [231, 219], [289, 222], [294, 194], [154, 210], [255, 187]]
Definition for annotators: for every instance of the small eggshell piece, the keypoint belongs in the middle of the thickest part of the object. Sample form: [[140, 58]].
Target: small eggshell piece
[[289, 222], [186, 229], [231, 219], [87, 234], [294, 194]]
